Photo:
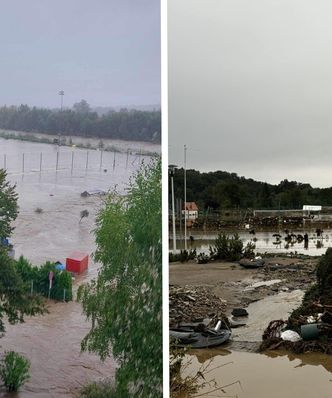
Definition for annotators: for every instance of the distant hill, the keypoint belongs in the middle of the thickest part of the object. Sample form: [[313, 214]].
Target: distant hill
[[220, 189]]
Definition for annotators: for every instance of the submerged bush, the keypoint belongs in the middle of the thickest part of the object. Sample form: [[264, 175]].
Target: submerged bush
[[40, 277], [14, 370]]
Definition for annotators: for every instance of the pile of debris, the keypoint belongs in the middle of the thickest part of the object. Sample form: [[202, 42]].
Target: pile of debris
[[312, 321], [193, 304]]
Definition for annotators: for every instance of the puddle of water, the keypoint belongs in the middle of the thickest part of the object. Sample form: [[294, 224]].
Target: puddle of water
[[261, 376]]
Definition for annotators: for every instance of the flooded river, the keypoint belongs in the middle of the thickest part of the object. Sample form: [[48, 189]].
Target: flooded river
[[52, 342], [264, 241]]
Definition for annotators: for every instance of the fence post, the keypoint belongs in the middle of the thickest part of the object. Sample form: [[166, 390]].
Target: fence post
[[22, 162], [57, 161], [87, 160], [5, 162], [114, 161], [40, 161], [72, 161], [101, 159], [127, 158]]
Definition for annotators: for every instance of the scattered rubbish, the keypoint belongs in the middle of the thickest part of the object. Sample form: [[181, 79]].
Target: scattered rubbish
[[239, 312], [290, 335], [310, 331], [93, 192], [200, 338], [246, 263], [263, 283], [59, 266], [234, 323], [192, 304]]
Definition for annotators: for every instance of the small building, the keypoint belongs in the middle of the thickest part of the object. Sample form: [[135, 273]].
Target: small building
[[190, 212]]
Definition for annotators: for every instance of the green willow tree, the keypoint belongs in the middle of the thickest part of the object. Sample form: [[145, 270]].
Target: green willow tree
[[15, 300], [124, 304]]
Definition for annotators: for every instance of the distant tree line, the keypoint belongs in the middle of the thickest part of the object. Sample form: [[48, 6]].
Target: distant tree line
[[222, 190], [82, 121]]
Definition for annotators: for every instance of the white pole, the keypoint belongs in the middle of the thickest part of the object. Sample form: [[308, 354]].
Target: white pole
[[173, 211], [185, 197]]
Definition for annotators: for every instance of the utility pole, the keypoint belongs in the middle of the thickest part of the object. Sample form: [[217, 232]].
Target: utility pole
[[185, 197], [172, 168]]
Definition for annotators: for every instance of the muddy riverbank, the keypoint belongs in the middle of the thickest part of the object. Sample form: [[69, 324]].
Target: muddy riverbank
[[240, 286]]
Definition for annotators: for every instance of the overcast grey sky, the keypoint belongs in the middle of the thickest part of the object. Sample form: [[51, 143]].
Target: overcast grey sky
[[250, 87], [105, 51]]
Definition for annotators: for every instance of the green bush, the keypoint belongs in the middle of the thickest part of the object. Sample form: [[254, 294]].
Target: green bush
[[14, 370], [227, 248], [40, 277], [183, 256], [249, 250], [99, 390], [324, 275]]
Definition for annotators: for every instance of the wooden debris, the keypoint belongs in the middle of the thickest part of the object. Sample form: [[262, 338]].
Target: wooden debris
[[193, 304]]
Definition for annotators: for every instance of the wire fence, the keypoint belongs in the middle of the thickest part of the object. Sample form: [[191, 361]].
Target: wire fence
[[59, 160]]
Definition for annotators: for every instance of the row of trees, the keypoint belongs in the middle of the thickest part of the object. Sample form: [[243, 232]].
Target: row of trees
[[222, 190], [81, 120]]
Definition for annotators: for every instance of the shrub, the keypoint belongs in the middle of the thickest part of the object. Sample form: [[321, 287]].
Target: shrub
[[249, 250], [183, 256], [227, 248], [202, 258], [14, 370], [39, 275], [99, 390], [324, 273]]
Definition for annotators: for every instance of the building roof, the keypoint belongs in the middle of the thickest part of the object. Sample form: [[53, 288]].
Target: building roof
[[191, 206]]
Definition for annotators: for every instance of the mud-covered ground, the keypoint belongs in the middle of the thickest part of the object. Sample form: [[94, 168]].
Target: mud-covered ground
[[240, 286]]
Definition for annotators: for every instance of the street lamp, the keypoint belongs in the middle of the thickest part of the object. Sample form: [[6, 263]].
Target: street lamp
[[171, 169], [61, 93]]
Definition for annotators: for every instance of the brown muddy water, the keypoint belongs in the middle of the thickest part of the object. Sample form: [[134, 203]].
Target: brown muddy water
[[269, 375], [52, 342], [264, 241]]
